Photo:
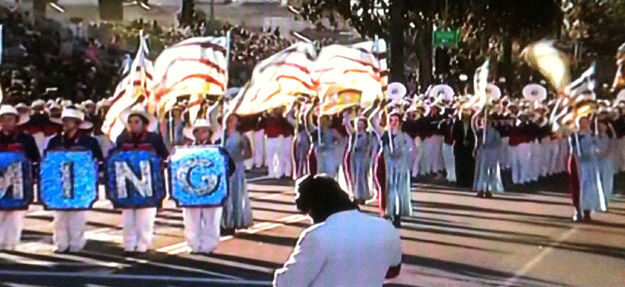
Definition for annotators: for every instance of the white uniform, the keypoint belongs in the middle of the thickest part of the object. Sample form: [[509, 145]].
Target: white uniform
[[258, 148], [11, 224], [138, 228], [286, 150], [273, 158], [349, 249], [69, 230], [201, 227]]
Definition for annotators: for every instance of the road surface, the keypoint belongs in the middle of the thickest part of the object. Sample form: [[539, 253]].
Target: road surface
[[453, 239]]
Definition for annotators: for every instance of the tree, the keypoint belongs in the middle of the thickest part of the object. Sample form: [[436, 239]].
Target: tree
[[488, 27]]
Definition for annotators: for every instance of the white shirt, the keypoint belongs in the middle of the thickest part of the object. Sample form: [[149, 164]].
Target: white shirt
[[349, 249]]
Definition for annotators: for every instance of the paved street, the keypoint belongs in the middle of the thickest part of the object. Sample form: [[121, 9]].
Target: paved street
[[453, 239]]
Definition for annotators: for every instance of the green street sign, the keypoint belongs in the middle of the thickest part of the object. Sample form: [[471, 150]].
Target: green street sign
[[446, 38]]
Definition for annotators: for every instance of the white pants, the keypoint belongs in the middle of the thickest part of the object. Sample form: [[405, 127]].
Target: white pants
[[138, 228], [258, 148], [563, 155], [514, 154], [273, 156], [201, 227], [69, 230], [450, 162], [249, 163], [432, 158], [524, 157], [11, 224], [418, 153], [286, 151], [536, 160]]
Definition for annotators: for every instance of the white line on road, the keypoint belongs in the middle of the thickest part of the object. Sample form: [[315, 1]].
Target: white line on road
[[530, 264], [162, 265], [183, 247], [171, 279]]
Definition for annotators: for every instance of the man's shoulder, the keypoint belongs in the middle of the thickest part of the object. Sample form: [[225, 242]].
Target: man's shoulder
[[351, 221]]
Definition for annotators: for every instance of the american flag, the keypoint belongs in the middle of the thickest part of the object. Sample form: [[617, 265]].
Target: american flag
[[133, 89], [360, 69], [278, 80], [195, 67], [579, 99]]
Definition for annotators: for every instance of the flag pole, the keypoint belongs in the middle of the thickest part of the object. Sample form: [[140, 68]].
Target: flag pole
[[229, 112]]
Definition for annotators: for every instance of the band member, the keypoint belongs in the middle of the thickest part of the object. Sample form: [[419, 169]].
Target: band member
[[202, 223], [487, 175], [286, 149], [69, 225], [432, 159], [448, 143], [396, 154], [139, 222], [237, 211], [325, 140], [301, 144], [12, 221], [464, 143], [359, 158], [259, 144], [584, 177], [413, 126], [605, 157], [272, 124]]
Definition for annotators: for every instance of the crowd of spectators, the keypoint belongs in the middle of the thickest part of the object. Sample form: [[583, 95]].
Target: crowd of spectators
[[46, 59]]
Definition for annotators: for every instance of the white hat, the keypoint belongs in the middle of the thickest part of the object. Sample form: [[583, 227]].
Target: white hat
[[86, 103], [199, 123], [66, 103], [139, 110], [22, 106], [72, 113], [10, 110], [38, 103]]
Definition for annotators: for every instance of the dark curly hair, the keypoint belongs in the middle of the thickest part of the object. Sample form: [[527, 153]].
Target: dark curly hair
[[320, 196]]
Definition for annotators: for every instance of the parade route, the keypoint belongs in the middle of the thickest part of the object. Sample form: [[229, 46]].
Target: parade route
[[453, 239]]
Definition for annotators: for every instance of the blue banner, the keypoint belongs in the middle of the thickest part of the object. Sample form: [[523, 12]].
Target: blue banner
[[69, 180], [16, 181], [134, 179], [199, 175]]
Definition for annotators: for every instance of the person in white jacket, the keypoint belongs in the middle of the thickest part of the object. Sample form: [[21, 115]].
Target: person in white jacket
[[344, 247]]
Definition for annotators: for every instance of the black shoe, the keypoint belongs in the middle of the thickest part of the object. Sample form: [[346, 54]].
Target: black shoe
[[228, 231], [62, 251], [397, 222], [480, 194], [587, 216], [489, 194]]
